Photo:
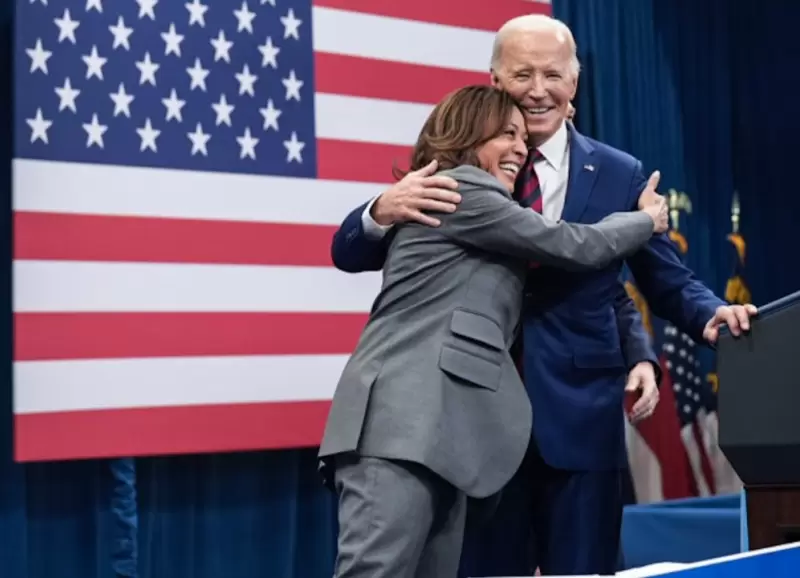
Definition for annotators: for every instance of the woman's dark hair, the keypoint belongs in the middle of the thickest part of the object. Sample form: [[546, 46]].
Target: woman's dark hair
[[458, 125]]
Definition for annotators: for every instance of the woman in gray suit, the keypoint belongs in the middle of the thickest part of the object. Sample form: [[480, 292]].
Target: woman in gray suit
[[430, 408]]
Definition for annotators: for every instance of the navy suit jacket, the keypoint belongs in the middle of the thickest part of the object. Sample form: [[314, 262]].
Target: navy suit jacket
[[581, 331]]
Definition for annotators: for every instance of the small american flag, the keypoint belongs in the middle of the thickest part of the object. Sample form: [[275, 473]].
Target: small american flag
[[179, 170], [680, 354], [676, 453]]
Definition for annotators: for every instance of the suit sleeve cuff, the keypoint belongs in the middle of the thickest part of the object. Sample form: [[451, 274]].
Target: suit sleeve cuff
[[372, 229], [657, 369], [651, 358]]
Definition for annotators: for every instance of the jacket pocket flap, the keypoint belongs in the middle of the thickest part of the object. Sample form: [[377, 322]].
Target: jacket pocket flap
[[470, 368], [477, 328]]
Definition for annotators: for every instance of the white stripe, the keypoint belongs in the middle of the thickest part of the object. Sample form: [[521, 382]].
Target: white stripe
[[369, 120], [147, 192], [646, 474], [84, 286], [41, 386], [695, 460], [400, 40]]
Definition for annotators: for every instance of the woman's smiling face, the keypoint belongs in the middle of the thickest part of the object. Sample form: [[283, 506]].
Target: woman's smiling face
[[504, 155]]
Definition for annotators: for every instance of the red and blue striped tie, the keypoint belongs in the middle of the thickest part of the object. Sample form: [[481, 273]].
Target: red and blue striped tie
[[528, 192]]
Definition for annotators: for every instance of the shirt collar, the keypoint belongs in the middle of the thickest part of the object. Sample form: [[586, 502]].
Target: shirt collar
[[554, 149]]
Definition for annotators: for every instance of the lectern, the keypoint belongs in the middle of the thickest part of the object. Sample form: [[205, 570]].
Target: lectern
[[759, 419]]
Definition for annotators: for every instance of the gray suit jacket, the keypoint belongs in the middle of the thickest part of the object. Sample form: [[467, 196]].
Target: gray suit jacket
[[431, 379]]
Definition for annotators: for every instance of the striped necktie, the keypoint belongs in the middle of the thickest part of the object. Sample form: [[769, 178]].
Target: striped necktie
[[528, 192]]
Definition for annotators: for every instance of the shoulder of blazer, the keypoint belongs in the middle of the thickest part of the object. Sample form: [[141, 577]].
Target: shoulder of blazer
[[471, 177], [613, 155]]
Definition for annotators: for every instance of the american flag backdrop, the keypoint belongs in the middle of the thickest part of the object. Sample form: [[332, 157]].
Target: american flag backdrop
[[179, 170]]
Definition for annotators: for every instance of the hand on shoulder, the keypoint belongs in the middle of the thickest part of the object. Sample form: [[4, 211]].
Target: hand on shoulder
[[418, 191], [654, 204]]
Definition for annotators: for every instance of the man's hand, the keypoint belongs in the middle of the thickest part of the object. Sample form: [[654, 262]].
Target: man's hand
[[654, 204], [736, 317], [642, 379], [649, 195], [417, 191]]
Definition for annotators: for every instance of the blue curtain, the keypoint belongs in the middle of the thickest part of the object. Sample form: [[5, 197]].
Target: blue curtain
[[696, 39], [765, 132], [237, 516]]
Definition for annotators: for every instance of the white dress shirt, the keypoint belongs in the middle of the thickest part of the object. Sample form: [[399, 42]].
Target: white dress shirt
[[553, 173], [552, 170]]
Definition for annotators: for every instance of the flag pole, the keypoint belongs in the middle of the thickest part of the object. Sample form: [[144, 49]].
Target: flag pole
[[678, 202]]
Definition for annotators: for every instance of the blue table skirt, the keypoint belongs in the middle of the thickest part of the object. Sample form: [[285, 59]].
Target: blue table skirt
[[689, 530]]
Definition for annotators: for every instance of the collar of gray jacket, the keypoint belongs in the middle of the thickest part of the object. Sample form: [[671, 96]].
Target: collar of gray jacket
[[471, 175]]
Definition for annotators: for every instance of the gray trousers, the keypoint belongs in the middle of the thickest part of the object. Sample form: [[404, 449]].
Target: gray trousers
[[396, 520]]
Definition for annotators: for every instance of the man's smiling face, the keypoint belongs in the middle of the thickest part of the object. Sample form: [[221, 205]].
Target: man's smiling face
[[537, 68]]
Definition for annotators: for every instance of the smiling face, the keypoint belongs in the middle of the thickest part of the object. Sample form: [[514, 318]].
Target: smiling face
[[479, 126], [536, 66], [504, 154]]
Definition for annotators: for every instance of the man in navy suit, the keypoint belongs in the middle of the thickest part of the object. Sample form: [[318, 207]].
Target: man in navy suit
[[581, 333]]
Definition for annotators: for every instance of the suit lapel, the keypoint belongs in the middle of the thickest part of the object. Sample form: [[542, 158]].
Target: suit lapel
[[583, 168]]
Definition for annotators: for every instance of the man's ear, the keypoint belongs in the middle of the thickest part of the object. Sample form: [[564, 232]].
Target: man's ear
[[493, 77]]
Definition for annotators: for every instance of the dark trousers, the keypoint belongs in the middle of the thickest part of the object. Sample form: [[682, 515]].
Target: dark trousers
[[563, 522]]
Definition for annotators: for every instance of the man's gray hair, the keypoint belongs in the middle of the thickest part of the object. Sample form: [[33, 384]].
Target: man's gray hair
[[532, 23]]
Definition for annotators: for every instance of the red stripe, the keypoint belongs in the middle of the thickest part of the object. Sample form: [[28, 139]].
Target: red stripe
[[478, 14], [662, 434], [371, 78], [342, 160], [59, 236], [168, 430], [39, 336]]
